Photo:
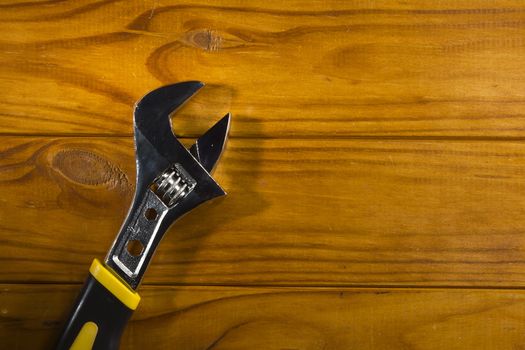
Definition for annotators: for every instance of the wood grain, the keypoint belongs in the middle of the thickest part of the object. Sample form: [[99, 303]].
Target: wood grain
[[298, 68], [195, 318], [299, 212], [376, 144]]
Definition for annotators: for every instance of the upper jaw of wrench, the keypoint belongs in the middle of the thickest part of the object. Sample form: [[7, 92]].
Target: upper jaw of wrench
[[157, 153], [156, 145]]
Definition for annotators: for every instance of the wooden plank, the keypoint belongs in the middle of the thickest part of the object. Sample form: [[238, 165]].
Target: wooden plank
[[299, 212], [321, 68], [299, 318]]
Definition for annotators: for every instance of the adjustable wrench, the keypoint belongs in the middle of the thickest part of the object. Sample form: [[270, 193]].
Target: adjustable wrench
[[171, 181]]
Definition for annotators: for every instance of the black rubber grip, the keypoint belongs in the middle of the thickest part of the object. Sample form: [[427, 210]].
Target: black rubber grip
[[96, 304]]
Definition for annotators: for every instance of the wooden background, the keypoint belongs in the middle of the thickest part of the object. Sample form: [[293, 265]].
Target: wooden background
[[376, 170]]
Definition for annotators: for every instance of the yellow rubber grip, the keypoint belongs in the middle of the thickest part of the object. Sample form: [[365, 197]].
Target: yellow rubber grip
[[86, 337], [127, 296]]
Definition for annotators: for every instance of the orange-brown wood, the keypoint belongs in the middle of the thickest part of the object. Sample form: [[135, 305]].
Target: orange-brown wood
[[309, 68], [196, 318], [375, 144], [301, 212]]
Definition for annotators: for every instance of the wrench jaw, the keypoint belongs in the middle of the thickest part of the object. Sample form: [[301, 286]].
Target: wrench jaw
[[210, 146], [166, 170], [155, 145], [151, 115]]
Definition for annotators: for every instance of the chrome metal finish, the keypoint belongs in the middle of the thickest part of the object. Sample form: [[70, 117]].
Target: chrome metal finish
[[167, 189], [171, 180], [140, 229], [209, 147], [172, 184]]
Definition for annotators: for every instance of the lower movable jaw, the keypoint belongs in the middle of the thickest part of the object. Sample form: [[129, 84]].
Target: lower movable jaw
[[171, 181]]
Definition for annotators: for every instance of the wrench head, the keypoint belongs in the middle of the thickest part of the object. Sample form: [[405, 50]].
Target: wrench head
[[157, 147]]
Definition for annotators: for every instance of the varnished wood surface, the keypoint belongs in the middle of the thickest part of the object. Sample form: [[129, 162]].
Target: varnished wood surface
[[309, 68], [300, 212], [374, 144], [195, 318]]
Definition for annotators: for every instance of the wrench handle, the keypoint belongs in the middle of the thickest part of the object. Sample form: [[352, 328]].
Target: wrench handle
[[101, 312]]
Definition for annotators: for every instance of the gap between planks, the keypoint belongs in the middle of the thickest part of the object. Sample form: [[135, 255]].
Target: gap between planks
[[288, 286], [302, 137]]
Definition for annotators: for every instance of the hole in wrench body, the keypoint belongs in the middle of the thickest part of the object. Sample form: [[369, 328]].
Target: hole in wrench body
[[134, 247]]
